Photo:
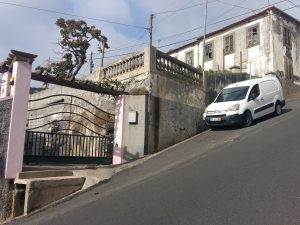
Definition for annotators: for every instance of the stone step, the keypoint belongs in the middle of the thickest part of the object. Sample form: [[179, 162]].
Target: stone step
[[34, 193], [44, 174]]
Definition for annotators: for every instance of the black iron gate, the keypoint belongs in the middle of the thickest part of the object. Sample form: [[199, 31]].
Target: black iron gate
[[42, 147], [68, 129]]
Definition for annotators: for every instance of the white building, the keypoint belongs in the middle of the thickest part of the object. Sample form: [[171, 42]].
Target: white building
[[267, 42]]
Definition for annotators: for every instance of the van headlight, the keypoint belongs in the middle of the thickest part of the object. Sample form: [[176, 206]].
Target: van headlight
[[234, 107], [205, 110]]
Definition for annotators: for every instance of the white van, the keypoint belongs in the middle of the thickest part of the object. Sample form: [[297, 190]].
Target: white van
[[241, 103]]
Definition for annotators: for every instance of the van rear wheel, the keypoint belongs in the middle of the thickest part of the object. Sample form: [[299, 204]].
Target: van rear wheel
[[278, 109], [247, 119]]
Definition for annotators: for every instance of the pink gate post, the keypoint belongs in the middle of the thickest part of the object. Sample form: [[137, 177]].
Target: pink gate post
[[17, 80]]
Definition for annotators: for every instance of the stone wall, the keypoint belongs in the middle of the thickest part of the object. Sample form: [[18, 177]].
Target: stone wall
[[5, 186], [176, 110], [104, 102], [176, 96], [290, 89]]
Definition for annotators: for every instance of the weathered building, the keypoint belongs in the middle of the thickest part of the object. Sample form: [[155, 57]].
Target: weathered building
[[267, 42]]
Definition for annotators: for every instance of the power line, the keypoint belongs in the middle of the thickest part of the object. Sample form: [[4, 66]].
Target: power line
[[73, 15], [179, 34], [227, 11], [200, 27], [178, 42], [194, 38], [126, 45], [224, 20], [172, 13], [237, 5], [293, 4], [181, 9]]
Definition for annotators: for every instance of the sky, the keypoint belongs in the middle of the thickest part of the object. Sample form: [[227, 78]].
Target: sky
[[29, 25]]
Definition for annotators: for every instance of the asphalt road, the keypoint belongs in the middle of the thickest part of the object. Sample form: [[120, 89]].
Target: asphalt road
[[240, 176]]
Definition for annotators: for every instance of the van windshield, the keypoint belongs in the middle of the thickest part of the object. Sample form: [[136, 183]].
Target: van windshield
[[232, 94]]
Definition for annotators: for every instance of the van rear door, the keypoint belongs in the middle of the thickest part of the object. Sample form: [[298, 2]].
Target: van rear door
[[269, 91], [254, 101]]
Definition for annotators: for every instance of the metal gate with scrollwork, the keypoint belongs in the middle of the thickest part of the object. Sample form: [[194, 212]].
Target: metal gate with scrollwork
[[42, 147], [68, 129]]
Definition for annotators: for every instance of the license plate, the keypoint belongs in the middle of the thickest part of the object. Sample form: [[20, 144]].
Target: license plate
[[215, 119]]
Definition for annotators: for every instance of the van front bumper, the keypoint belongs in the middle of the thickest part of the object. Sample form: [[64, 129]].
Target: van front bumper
[[223, 120]]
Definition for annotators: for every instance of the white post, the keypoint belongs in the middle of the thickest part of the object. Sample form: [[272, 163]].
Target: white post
[[204, 36], [118, 149]]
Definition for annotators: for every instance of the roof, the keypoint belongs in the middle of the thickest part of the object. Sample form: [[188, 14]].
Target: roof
[[236, 24], [249, 82]]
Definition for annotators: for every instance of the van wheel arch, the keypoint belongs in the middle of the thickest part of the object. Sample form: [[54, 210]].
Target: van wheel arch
[[278, 108], [247, 118]]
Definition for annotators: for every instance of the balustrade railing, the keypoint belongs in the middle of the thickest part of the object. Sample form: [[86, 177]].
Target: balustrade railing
[[164, 63], [173, 66], [126, 65]]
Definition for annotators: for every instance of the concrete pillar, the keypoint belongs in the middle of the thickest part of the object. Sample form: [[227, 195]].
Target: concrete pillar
[[13, 113], [205, 78], [131, 128], [20, 91], [150, 59], [118, 149]]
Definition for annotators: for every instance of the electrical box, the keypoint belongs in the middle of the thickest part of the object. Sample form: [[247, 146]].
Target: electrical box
[[132, 117]]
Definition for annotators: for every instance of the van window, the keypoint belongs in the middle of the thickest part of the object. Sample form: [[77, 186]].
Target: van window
[[268, 86], [232, 94], [254, 93]]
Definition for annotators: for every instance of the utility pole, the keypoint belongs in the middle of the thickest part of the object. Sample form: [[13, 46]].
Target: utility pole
[[204, 36], [150, 29], [91, 63], [102, 48]]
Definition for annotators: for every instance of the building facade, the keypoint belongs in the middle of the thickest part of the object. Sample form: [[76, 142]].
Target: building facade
[[267, 42]]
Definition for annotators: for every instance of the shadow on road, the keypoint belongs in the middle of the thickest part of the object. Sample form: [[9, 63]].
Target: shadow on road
[[260, 120]]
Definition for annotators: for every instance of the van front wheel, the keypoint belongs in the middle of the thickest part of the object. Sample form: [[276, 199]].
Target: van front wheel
[[278, 109], [247, 119]]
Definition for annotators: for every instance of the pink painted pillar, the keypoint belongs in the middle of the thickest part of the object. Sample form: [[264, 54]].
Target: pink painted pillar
[[118, 150], [21, 74]]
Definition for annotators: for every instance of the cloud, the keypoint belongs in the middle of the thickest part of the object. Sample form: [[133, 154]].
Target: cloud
[[118, 11], [28, 30], [35, 32]]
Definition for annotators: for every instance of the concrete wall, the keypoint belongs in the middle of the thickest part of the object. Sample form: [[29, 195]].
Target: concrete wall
[[135, 82], [5, 186], [106, 103], [176, 110], [175, 105], [290, 89], [280, 52]]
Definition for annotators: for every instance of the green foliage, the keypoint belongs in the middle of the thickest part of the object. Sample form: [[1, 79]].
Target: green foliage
[[139, 91], [75, 40], [105, 83]]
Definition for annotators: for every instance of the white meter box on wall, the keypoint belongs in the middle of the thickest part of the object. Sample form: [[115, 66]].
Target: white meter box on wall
[[132, 117]]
